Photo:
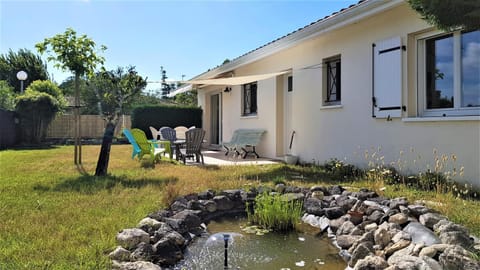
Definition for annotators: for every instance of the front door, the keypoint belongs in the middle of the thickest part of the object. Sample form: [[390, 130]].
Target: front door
[[215, 119]]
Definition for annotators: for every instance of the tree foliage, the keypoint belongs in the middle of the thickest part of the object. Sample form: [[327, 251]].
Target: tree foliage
[[449, 15], [7, 96], [114, 89], [188, 98], [12, 62], [37, 107]]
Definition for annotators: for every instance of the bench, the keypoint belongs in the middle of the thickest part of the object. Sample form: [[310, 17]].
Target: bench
[[242, 139]]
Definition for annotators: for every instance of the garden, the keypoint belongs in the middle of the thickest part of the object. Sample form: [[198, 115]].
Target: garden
[[52, 217]]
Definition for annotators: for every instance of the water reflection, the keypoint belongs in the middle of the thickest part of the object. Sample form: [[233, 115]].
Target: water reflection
[[270, 251]]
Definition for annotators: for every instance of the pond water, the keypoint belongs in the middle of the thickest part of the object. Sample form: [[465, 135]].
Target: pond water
[[294, 250]]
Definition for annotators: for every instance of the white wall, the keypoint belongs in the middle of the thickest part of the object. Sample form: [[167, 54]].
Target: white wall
[[348, 131]]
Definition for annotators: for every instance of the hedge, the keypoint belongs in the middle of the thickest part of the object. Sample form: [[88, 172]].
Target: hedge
[[165, 116]]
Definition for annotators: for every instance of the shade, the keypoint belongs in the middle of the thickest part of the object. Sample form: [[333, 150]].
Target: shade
[[180, 90], [237, 80]]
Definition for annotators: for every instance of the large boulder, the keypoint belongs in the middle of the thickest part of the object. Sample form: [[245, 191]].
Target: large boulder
[[371, 263], [314, 206], [430, 219], [361, 251], [420, 233], [167, 252], [143, 252], [130, 238], [334, 212], [120, 254], [457, 258], [223, 202]]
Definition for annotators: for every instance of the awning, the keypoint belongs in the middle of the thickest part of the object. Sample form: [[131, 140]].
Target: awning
[[237, 80], [180, 90]]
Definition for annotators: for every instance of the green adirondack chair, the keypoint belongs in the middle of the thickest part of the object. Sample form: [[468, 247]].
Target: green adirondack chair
[[143, 146]]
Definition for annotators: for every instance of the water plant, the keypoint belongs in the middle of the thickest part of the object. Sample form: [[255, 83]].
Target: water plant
[[275, 212]]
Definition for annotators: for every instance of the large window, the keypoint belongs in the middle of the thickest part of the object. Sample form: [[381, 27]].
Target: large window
[[332, 78], [249, 99], [450, 74]]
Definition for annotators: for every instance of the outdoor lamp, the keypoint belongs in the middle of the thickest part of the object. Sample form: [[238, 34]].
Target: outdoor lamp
[[22, 76]]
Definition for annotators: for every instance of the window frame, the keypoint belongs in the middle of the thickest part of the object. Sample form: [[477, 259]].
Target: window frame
[[457, 109], [244, 102], [326, 81]]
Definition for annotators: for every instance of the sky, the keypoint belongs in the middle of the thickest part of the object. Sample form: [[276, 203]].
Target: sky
[[185, 37]]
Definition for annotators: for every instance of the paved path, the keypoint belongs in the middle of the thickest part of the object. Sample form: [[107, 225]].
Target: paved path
[[219, 158]]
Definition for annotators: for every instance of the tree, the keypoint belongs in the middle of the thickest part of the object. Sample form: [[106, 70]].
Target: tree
[[12, 62], [7, 96], [79, 56], [188, 98], [449, 15], [37, 107], [114, 89]]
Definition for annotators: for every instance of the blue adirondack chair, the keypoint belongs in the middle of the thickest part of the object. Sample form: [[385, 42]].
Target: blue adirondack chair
[[136, 148]]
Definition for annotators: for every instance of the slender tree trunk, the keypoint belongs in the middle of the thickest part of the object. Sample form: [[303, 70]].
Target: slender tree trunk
[[75, 119], [104, 157]]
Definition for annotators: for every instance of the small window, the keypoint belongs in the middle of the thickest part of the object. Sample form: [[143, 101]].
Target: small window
[[249, 99], [332, 79], [290, 84]]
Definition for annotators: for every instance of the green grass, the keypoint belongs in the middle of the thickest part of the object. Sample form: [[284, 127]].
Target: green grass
[[52, 217]]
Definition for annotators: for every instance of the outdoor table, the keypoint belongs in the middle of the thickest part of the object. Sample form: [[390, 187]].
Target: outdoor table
[[178, 144]]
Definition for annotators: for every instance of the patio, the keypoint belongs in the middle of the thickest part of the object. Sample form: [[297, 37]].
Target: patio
[[216, 157]]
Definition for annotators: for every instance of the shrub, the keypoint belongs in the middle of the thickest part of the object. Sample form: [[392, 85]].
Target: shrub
[[339, 170], [7, 96], [36, 111], [275, 212]]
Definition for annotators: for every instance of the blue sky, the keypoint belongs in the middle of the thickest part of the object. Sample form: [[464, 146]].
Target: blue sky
[[185, 37]]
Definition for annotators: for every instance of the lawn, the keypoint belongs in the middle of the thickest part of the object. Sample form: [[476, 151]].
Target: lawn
[[52, 217]]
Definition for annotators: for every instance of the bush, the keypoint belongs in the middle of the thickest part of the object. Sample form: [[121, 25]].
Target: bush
[[169, 116], [7, 96], [36, 111], [340, 171], [275, 212]]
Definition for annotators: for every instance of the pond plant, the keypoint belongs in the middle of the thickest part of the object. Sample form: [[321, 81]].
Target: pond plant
[[275, 212]]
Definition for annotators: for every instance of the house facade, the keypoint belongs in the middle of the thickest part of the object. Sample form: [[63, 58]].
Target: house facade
[[373, 83]]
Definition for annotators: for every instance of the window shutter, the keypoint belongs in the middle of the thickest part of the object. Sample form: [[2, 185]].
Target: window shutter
[[387, 78]]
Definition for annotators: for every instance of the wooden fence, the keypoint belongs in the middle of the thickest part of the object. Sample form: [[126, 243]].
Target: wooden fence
[[92, 126]]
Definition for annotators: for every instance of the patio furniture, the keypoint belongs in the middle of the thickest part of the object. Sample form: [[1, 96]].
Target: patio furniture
[[142, 146], [155, 133], [180, 130], [168, 134], [193, 145], [242, 139]]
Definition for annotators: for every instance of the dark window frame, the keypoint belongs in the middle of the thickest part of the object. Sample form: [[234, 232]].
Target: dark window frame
[[290, 83], [333, 88], [249, 99]]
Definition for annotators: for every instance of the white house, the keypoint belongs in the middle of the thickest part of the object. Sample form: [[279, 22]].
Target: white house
[[373, 79]]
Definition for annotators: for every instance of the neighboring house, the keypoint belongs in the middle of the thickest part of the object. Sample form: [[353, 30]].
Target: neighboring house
[[373, 77]]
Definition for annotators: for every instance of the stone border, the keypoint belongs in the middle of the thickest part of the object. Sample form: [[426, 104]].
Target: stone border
[[371, 232]]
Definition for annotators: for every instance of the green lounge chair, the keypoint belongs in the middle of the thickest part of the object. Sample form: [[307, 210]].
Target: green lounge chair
[[142, 146]]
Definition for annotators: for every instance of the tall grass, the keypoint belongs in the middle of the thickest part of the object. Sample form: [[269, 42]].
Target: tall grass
[[275, 212]]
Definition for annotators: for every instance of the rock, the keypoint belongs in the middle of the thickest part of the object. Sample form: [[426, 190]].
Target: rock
[[360, 252], [448, 226], [401, 235], [417, 210], [223, 202], [396, 202], [149, 224], [159, 215], [363, 195], [120, 254], [366, 239], [291, 197], [320, 222], [345, 202], [191, 220], [167, 252], [431, 251], [130, 238], [209, 205], [319, 188], [334, 212], [335, 190], [371, 227], [397, 246], [376, 216], [456, 257], [293, 189], [175, 238], [355, 217], [346, 228], [357, 231], [381, 237], [408, 262], [137, 266], [206, 195], [420, 233], [318, 195], [346, 241], [336, 223], [143, 252], [371, 263], [457, 238], [399, 219], [195, 205], [161, 232], [280, 188], [177, 206], [430, 219], [314, 206]]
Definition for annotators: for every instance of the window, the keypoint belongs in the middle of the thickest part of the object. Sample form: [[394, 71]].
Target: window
[[332, 79], [290, 83], [450, 74], [249, 100]]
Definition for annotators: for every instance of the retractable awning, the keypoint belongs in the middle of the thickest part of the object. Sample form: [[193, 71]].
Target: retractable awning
[[237, 80], [180, 90]]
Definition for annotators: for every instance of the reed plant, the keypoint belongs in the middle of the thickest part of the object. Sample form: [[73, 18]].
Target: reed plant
[[275, 212]]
